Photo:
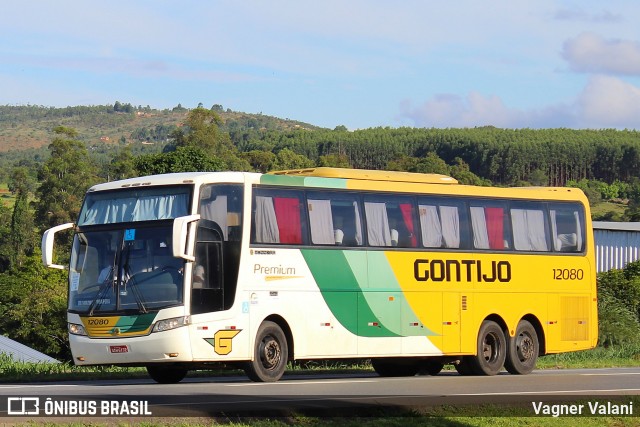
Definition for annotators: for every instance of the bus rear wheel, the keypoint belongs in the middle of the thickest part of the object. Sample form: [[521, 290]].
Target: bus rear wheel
[[491, 349], [522, 350], [166, 375], [270, 354]]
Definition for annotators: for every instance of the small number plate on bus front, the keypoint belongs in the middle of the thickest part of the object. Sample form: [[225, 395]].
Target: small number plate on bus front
[[118, 349]]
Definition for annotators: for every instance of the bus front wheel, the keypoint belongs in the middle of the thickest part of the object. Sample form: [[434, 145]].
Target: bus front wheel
[[270, 354], [491, 350], [522, 350], [166, 375]]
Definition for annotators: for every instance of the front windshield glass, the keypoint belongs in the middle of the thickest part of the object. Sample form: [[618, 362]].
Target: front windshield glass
[[135, 204], [124, 269]]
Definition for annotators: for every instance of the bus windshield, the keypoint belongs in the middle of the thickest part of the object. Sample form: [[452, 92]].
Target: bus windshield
[[134, 204], [124, 269]]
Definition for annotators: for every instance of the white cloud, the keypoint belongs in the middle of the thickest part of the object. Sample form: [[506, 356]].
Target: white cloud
[[605, 102], [590, 53], [447, 110], [609, 102]]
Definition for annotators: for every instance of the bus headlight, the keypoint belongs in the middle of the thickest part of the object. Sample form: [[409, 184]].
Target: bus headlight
[[76, 329], [167, 324]]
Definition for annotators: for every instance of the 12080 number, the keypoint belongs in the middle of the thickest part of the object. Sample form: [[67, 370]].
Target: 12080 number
[[568, 274]]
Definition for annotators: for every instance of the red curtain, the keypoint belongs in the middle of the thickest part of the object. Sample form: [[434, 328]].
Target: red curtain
[[288, 218], [407, 217], [495, 227]]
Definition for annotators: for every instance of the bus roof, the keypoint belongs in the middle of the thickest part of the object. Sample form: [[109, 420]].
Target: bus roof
[[173, 179], [370, 175]]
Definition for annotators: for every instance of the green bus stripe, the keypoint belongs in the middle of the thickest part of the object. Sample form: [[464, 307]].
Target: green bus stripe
[[303, 181], [397, 314], [136, 323], [342, 293]]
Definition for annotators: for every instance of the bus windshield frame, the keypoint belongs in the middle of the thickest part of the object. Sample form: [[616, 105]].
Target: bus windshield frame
[[124, 268]]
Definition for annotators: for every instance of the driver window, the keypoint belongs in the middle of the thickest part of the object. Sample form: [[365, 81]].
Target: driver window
[[222, 204]]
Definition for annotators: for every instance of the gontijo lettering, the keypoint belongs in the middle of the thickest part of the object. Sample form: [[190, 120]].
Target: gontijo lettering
[[466, 270]]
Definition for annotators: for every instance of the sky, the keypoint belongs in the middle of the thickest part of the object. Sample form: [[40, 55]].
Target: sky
[[361, 64]]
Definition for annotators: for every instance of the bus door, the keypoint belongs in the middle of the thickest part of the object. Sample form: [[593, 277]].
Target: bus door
[[207, 288], [207, 293]]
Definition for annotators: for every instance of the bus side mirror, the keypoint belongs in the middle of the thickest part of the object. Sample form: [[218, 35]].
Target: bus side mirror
[[183, 239], [48, 239]]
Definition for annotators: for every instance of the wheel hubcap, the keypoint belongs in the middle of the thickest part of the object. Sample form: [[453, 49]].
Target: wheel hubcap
[[270, 353], [525, 347], [490, 348]]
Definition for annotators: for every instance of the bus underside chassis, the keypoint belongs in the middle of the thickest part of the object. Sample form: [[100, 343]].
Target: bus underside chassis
[[407, 366], [495, 350]]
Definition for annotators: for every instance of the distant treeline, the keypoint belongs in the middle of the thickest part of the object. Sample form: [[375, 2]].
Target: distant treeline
[[493, 155], [502, 156]]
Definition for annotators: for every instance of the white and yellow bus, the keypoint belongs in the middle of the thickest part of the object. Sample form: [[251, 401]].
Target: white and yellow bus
[[178, 272]]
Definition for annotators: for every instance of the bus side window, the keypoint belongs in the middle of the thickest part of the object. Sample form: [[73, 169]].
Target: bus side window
[[441, 224], [489, 226], [277, 217], [566, 228], [334, 219], [530, 229], [222, 204], [378, 230], [390, 221]]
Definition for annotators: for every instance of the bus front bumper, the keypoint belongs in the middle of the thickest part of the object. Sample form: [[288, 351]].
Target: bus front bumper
[[167, 346]]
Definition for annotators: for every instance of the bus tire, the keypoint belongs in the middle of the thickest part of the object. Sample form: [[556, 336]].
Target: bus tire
[[522, 350], [491, 349], [270, 354], [165, 374], [395, 367]]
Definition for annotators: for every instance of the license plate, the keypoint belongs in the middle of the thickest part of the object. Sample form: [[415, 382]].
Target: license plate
[[118, 349]]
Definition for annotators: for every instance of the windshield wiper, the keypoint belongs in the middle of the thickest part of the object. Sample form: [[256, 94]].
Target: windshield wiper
[[136, 292], [102, 292], [128, 277]]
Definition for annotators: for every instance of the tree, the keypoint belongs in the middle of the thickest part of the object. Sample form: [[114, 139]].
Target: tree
[[460, 171], [202, 132], [33, 307], [123, 165], [261, 161], [65, 178], [183, 159], [5, 239], [334, 161], [287, 159], [22, 234]]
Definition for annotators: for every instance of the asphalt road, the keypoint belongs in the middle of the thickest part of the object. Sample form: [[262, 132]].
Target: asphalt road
[[316, 394]]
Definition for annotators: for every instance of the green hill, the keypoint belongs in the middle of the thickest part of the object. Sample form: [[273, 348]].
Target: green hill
[[30, 127]]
